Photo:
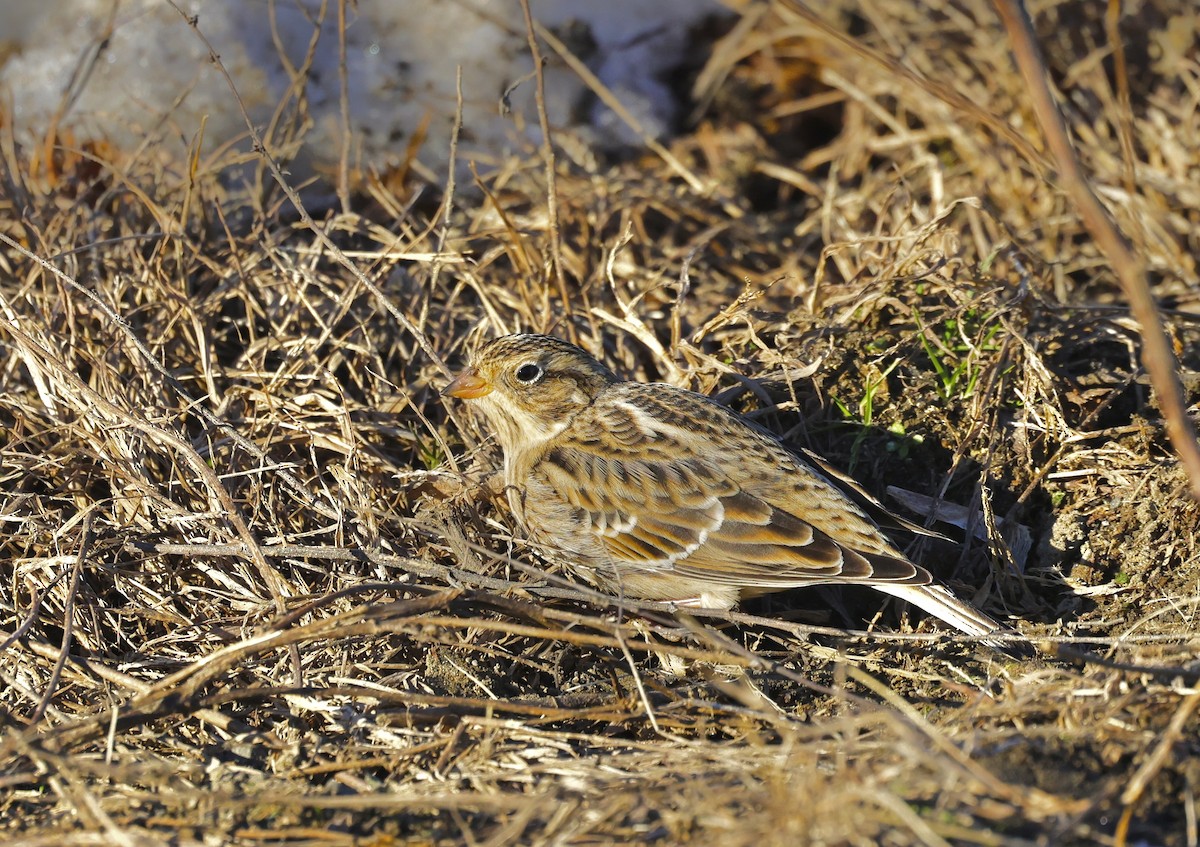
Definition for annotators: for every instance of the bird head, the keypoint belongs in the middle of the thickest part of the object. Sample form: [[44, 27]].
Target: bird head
[[530, 386]]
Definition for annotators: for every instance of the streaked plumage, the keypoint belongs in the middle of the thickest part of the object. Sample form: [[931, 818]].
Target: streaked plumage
[[661, 494]]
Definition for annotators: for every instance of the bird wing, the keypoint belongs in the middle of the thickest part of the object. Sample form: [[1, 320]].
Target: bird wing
[[659, 497]]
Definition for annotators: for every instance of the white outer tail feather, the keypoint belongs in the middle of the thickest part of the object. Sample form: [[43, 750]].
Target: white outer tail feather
[[940, 603]]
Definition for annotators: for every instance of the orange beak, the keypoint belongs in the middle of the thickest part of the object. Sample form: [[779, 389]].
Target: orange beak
[[468, 385]]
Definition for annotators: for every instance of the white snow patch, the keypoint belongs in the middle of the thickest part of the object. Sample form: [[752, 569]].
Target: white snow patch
[[151, 80]]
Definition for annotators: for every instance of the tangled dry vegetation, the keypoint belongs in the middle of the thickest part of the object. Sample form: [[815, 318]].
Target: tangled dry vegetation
[[256, 591]]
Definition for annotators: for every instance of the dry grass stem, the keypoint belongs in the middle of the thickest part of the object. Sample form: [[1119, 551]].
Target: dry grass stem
[[259, 586]]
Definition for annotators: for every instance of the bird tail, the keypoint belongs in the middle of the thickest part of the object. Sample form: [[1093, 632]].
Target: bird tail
[[939, 602]]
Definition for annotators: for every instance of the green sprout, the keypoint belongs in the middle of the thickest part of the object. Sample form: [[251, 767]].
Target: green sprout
[[955, 356]]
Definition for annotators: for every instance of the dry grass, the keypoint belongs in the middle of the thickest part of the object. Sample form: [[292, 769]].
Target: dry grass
[[255, 590]]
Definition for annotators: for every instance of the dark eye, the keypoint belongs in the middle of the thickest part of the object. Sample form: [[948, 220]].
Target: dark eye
[[529, 373]]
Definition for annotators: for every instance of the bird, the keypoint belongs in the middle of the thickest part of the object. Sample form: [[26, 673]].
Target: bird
[[654, 492]]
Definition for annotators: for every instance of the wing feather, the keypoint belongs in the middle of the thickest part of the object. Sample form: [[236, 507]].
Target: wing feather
[[654, 503]]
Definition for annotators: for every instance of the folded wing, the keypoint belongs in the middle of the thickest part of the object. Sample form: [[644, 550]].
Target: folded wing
[[660, 506]]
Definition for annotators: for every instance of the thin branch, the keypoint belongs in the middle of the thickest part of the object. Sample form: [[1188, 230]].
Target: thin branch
[[551, 175], [1157, 354]]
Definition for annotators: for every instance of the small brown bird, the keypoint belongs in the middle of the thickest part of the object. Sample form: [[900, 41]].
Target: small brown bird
[[659, 493]]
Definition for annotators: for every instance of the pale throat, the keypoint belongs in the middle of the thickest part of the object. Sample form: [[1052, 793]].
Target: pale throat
[[517, 429]]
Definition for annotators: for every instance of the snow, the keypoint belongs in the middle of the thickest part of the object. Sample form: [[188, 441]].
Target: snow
[[135, 75]]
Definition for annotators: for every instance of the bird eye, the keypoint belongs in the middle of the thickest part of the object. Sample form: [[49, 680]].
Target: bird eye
[[529, 373]]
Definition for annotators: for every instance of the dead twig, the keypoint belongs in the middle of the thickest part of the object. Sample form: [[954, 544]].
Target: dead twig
[[1157, 353]]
